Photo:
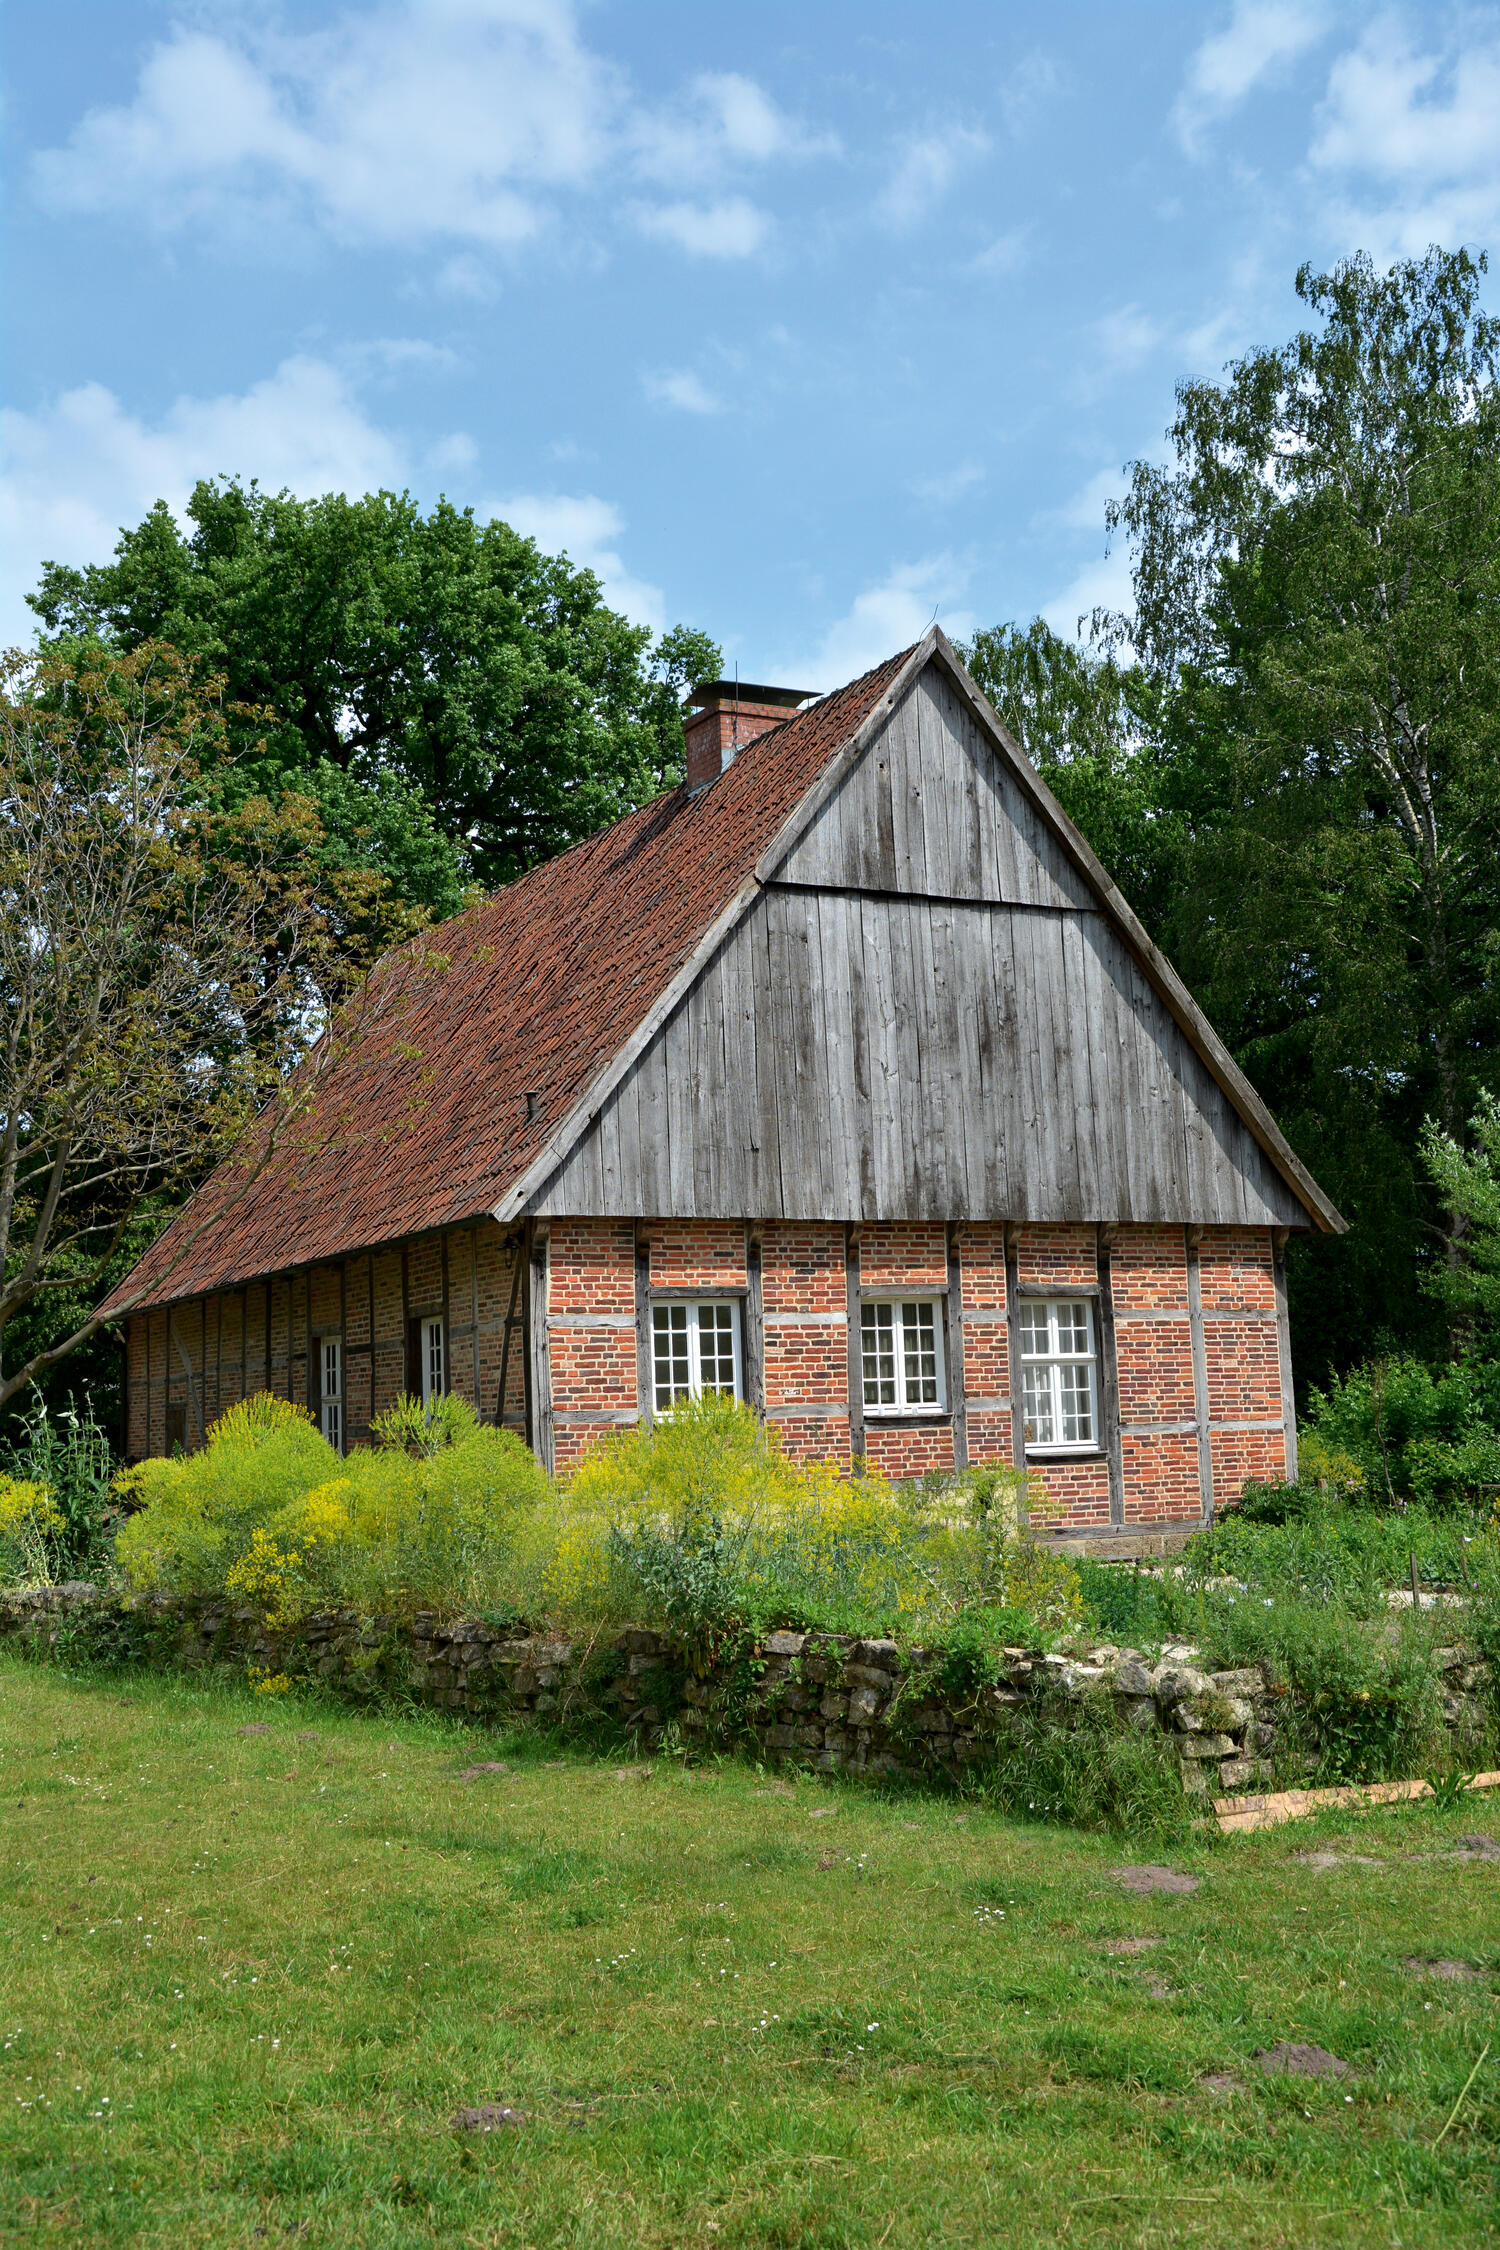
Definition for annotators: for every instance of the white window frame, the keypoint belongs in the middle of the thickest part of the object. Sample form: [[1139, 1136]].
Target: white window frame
[[905, 1317], [1049, 1376], [331, 1390], [684, 1318], [434, 1359]]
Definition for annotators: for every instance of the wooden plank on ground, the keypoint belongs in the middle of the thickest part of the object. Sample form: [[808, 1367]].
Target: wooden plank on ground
[[1238, 1815]]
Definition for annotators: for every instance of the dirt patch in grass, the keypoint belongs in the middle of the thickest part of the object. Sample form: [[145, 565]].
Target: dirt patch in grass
[[1300, 2058], [1448, 1972], [1156, 1882], [489, 2117]]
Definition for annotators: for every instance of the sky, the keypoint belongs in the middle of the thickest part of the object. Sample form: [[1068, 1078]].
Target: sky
[[803, 324]]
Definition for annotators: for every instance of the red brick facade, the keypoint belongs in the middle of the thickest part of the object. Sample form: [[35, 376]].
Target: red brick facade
[[1189, 1326]]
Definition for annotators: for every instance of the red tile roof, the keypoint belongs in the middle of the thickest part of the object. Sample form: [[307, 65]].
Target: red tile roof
[[420, 1119]]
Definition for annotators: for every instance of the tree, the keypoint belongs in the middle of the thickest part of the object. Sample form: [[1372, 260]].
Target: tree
[[457, 704], [1317, 585], [163, 964]]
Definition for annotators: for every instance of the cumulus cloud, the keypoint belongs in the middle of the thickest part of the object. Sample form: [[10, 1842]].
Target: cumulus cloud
[[732, 228], [889, 617], [80, 468], [400, 123], [413, 122], [721, 118], [1415, 138], [586, 529], [680, 387], [1261, 36], [926, 168]]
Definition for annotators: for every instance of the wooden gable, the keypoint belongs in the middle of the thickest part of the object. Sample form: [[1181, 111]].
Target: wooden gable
[[934, 1005]]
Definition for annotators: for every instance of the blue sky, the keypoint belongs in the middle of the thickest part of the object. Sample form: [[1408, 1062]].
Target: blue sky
[[800, 323]]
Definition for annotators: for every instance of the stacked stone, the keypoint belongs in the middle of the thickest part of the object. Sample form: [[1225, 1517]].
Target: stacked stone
[[826, 1700]]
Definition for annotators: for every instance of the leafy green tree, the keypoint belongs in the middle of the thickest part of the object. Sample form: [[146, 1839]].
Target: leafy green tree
[[457, 704], [1317, 585], [163, 966]]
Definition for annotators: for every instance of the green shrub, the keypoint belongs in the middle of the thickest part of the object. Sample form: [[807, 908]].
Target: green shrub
[[1414, 1435], [1125, 1605], [1085, 1771], [269, 1512]]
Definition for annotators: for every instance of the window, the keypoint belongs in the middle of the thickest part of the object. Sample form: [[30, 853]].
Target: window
[[695, 1348], [434, 1373], [333, 1392], [901, 1350], [1058, 1372]]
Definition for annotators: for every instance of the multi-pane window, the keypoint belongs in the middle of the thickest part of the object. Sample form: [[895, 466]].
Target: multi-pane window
[[901, 1353], [1059, 1371], [695, 1348], [434, 1371], [333, 1392]]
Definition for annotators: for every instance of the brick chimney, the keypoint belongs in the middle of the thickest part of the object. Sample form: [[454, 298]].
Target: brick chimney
[[723, 717]]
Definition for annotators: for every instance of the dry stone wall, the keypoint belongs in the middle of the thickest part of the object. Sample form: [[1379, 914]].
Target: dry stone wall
[[824, 1700]]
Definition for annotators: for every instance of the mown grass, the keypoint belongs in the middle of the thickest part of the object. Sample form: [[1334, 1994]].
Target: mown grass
[[248, 1978]]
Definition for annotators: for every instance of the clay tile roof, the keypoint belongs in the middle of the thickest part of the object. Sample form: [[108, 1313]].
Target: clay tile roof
[[421, 1117]]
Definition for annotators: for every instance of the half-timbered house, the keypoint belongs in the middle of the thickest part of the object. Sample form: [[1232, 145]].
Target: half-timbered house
[[841, 1076]]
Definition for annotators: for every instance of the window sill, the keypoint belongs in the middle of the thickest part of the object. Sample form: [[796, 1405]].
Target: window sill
[[897, 1417], [1066, 1453]]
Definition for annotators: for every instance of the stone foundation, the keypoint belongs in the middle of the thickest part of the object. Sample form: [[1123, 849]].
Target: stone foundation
[[819, 1699]]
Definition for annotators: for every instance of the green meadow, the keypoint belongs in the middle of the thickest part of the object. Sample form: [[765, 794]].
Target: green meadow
[[259, 1954]]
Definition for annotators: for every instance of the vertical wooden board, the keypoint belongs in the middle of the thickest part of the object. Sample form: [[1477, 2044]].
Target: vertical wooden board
[[1034, 1081], [767, 1059], [797, 1073], [833, 987], [888, 1163], [1091, 1137], [901, 741], [945, 1103], [681, 1104], [944, 768]]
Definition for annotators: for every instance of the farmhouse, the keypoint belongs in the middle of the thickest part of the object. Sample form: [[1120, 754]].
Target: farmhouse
[[841, 1076]]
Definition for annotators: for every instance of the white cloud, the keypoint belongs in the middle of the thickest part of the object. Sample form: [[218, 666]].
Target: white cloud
[[680, 387], [949, 484], [733, 228], [1420, 133], [1261, 35], [413, 122], [585, 529], [723, 119], [1004, 256], [1027, 89], [1126, 337], [889, 617], [79, 469], [927, 167], [400, 123]]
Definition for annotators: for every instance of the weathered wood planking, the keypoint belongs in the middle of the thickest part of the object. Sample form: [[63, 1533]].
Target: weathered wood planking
[[868, 1057], [930, 810]]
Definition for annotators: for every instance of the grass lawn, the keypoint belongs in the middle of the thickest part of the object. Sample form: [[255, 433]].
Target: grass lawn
[[248, 1978]]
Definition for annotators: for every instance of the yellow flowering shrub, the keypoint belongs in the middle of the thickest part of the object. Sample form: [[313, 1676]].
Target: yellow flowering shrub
[[29, 1520], [268, 1512]]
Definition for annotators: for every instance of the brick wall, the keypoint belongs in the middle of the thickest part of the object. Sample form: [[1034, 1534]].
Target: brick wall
[[185, 1366], [1177, 1423], [590, 1332]]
